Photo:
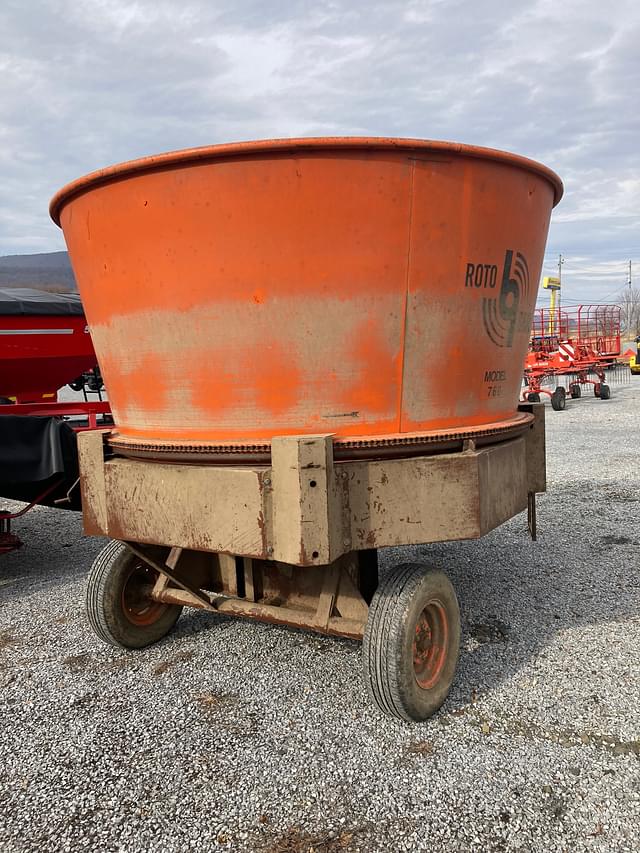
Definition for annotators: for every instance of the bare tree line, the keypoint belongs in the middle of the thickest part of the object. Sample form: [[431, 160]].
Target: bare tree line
[[630, 315]]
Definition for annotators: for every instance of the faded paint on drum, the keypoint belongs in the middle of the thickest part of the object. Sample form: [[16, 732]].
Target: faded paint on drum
[[355, 287]]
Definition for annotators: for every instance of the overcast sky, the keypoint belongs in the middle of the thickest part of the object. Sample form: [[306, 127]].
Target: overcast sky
[[88, 83]]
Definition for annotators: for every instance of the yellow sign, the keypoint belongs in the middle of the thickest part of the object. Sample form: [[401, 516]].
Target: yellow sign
[[551, 283]]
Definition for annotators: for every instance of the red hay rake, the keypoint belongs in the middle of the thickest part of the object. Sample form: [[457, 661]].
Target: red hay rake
[[578, 343]]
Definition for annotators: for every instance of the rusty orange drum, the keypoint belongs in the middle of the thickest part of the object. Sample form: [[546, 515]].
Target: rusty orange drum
[[378, 289]]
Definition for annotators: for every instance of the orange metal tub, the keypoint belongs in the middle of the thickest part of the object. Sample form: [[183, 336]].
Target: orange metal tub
[[378, 289]]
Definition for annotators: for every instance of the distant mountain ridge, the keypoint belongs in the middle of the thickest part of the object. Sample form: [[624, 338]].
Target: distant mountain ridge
[[45, 271]]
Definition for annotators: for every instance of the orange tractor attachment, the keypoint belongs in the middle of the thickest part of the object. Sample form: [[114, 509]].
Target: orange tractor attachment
[[283, 329]]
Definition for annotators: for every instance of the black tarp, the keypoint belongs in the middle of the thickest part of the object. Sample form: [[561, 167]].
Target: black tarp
[[36, 452], [28, 302]]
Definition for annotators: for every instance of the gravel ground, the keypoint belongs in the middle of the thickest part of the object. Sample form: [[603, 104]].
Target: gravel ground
[[241, 736]]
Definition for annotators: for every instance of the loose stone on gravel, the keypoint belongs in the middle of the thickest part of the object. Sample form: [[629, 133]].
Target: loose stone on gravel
[[239, 736]]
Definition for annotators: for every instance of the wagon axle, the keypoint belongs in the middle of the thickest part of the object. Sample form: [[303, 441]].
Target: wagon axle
[[134, 598]]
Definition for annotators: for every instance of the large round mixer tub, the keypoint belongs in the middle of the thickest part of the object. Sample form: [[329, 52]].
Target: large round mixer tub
[[294, 303], [380, 290]]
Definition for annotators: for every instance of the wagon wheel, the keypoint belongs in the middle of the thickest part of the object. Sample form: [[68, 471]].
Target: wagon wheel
[[411, 642], [533, 397], [576, 392], [559, 399], [77, 384], [605, 392], [118, 602], [596, 389]]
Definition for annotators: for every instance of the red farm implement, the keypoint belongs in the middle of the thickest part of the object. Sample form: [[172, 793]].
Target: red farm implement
[[44, 345], [571, 348]]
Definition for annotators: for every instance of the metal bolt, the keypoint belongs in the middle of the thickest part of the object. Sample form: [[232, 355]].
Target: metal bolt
[[269, 551], [267, 481], [346, 542]]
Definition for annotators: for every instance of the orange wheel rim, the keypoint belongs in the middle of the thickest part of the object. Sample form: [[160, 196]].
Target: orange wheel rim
[[430, 643], [137, 604]]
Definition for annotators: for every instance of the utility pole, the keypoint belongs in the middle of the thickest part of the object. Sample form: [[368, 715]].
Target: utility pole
[[629, 306]]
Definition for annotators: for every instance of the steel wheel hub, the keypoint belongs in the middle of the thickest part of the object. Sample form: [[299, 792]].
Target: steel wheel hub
[[137, 604], [430, 644]]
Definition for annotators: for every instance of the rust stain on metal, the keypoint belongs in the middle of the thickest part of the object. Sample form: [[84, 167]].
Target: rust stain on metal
[[323, 598], [262, 526]]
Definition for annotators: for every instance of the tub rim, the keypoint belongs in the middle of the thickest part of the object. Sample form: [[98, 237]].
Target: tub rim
[[208, 153]]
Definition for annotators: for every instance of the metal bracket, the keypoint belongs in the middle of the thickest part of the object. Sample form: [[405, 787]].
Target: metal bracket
[[67, 498], [531, 516], [169, 571]]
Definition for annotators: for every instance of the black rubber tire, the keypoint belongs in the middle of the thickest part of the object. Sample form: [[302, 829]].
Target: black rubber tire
[[105, 606], [534, 397], [388, 649], [596, 389], [576, 392], [559, 399], [605, 392]]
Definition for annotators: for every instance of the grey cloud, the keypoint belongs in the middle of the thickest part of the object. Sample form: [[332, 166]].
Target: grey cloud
[[89, 83]]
